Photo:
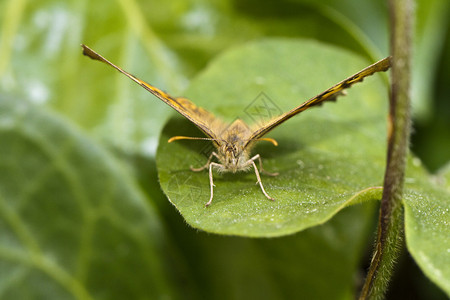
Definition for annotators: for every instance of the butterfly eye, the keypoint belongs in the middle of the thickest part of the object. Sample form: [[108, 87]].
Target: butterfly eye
[[230, 148]]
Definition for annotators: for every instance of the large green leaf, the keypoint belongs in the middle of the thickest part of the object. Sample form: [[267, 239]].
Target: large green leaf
[[350, 149], [72, 223], [327, 157]]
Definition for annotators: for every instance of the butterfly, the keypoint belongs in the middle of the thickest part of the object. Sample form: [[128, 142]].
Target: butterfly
[[234, 142]]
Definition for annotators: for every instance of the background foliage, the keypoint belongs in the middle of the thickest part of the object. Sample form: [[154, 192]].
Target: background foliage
[[81, 212]]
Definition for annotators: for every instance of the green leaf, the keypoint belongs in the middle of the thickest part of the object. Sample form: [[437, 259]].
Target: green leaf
[[327, 157], [72, 222], [427, 224]]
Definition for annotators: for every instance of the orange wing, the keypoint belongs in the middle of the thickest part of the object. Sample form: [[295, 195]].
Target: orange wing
[[197, 115], [329, 95]]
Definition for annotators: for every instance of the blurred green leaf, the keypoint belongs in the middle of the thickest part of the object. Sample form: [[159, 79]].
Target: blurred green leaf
[[432, 18], [318, 263], [72, 222], [327, 158], [443, 176]]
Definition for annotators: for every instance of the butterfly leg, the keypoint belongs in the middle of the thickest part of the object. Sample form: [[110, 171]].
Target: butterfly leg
[[211, 183], [261, 168], [206, 165], [252, 162]]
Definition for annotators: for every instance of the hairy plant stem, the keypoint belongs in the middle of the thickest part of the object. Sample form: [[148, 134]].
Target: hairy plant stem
[[390, 224]]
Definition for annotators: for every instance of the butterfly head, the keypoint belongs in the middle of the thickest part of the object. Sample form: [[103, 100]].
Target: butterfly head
[[233, 155]]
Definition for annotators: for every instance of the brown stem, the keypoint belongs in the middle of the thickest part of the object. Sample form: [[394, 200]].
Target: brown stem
[[390, 223]]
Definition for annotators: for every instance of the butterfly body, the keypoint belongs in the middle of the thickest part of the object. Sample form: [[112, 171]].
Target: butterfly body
[[234, 142]]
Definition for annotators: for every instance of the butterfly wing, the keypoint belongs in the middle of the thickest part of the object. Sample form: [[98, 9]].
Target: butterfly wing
[[328, 95], [197, 115]]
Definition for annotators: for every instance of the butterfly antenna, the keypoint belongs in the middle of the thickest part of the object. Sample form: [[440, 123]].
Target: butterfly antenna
[[273, 141], [179, 137]]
